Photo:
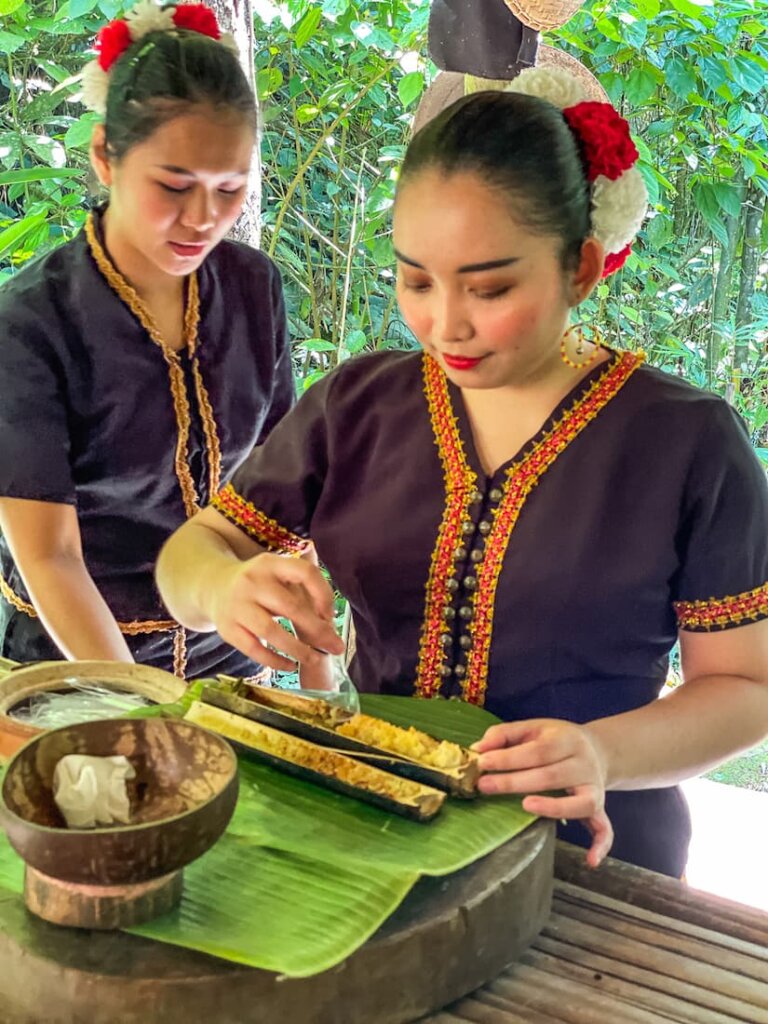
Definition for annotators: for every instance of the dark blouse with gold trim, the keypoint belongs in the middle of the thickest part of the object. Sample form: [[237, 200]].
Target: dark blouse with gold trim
[[555, 588], [88, 418]]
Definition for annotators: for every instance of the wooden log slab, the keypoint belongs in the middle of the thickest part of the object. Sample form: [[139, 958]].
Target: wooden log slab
[[100, 906], [450, 936]]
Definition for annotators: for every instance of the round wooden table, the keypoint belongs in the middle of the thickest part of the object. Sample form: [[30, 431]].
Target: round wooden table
[[450, 936]]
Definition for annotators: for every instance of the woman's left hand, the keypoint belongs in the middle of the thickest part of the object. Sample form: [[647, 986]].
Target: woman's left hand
[[546, 754]]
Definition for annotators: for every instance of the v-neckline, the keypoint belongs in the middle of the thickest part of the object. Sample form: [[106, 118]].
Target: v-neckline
[[467, 435]]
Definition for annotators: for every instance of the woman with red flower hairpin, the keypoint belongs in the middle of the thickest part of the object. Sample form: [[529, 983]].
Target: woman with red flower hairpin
[[142, 361], [519, 516]]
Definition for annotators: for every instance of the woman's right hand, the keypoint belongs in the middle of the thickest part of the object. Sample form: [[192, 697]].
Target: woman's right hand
[[247, 597]]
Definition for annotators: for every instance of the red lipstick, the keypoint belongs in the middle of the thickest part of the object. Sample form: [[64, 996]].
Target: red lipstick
[[461, 362]]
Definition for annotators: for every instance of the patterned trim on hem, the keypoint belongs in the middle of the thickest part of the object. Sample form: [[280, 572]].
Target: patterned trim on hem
[[723, 612], [135, 628], [258, 524]]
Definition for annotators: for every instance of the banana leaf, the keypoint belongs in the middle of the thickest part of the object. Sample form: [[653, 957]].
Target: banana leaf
[[304, 876]]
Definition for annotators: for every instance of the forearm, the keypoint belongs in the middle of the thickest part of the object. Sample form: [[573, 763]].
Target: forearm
[[189, 569], [699, 725], [73, 611]]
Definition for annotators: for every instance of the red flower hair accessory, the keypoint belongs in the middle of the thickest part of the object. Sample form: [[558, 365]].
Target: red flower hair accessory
[[619, 198], [604, 133], [111, 42], [147, 16], [197, 18]]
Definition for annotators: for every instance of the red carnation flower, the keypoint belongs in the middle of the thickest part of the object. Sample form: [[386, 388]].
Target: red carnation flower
[[111, 42], [608, 146], [197, 18], [614, 260]]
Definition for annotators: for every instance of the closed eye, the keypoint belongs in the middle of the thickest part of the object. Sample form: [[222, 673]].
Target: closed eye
[[186, 188], [495, 294]]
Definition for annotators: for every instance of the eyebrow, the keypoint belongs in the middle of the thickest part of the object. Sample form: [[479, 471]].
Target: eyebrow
[[173, 169], [469, 268]]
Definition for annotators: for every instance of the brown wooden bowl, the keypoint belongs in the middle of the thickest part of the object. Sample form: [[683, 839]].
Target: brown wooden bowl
[[20, 683], [182, 798]]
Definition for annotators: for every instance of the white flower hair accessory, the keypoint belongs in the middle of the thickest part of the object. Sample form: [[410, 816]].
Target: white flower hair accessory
[[619, 197], [147, 16]]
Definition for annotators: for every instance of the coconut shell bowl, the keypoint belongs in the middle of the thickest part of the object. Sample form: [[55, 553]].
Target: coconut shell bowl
[[181, 799]]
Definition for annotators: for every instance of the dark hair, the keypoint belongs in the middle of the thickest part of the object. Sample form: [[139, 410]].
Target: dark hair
[[163, 74], [520, 145]]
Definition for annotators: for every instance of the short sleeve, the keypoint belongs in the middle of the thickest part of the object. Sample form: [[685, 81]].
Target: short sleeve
[[34, 431], [723, 540], [274, 493]]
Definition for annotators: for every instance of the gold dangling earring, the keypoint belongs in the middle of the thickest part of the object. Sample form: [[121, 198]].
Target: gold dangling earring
[[576, 333]]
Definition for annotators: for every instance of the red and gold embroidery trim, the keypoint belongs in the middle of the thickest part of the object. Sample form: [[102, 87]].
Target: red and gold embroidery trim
[[460, 482], [255, 522], [721, 612], [175, 371], [520, 480], [135, 628]]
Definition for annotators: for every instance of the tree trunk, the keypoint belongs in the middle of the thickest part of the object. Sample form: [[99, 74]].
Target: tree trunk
[[722, 320], [236, 16], [750, 259]]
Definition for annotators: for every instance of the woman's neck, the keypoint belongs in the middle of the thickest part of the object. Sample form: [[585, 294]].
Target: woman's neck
[[504, 419], [154, 288]]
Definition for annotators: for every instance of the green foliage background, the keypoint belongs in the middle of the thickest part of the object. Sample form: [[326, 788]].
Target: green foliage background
[[339, 81]]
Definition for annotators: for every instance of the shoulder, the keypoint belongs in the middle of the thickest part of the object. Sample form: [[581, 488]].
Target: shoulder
[[377, 367], [666, 402], [387, 377], [676, 419], [43, 278], [381, 382], [235, 264]]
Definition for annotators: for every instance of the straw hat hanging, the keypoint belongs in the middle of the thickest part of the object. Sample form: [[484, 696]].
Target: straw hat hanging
[[543, 15], [483, 44]]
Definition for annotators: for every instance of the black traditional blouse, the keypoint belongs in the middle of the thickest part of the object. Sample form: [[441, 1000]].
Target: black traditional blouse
[[554, 588], [98, 412]]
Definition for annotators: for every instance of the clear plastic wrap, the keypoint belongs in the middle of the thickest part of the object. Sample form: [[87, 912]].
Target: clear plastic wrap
[[82, 701]]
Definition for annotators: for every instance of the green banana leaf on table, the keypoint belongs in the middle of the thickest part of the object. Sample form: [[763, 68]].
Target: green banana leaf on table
[[304, 876]]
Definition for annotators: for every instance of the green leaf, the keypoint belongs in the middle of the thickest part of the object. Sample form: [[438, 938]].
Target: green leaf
[[335, 8], [355, 341], [640, 86], [316, 345], [680, 77], [30, 174], [77, 8], [706, 202], [410, 87], [307, 112], [648, 9], [649, 177], [634, 31], [9, 6], [748, 74], [10, 42], [268, 81], [688, 9], [659, 231], [728, 198], [79, 134], [12, 237], [307, 26], [713, 72], [609, 28]]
